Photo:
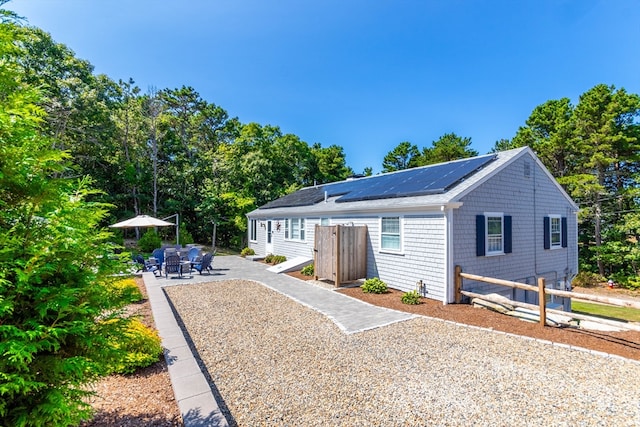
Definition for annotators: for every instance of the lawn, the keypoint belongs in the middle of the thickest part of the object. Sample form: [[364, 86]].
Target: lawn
[[606, 311]]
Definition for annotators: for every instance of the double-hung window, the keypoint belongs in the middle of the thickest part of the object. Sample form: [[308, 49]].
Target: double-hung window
[[555, 232], [294, 229], [493, 234], [390, 238]]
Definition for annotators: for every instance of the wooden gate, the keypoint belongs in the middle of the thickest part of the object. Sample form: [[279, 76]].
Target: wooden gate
[[340, 253]]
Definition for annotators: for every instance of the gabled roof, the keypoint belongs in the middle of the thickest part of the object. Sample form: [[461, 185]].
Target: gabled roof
[[433, 185], [422, 181]]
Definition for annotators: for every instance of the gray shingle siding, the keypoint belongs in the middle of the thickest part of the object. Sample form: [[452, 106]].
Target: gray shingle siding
[[527, 199], [422, 257]]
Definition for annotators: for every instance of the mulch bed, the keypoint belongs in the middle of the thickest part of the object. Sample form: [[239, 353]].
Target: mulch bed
[[625, 344]]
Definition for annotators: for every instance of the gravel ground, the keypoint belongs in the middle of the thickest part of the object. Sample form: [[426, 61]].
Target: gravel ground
[[276, 362]]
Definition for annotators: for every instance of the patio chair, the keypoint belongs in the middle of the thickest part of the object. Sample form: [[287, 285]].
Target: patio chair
[[174, 265], [194, 255], [158, 255], [204, 264], [145, 265], [139, 260]]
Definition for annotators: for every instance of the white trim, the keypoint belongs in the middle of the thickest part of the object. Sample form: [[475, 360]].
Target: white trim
[[318, 210], [488, 252], [400, 232], [253, 230], [449, 293], [558, 245], [302, 229]]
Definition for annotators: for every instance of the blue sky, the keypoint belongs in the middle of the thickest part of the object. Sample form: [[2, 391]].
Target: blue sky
[[362, 74]]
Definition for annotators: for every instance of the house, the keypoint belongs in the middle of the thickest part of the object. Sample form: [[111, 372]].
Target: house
[[500, 215]]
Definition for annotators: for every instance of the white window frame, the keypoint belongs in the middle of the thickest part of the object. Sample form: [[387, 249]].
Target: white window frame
[[294, 229], [558, 231], [253, 230], [489, 240], [399, 234]]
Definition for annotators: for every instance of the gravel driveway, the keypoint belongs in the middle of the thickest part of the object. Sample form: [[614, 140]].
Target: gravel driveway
[[276, 362]]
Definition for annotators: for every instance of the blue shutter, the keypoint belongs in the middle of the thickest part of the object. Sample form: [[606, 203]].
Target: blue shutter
[[565, 240], [547, 232], [507, 234], [480, 235]]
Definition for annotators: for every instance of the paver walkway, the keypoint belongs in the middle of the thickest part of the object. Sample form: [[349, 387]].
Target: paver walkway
[[192, 391]]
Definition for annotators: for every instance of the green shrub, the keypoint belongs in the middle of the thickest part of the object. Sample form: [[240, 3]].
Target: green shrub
[[632, 283], [141, 347], [185, 237], [277, 259], [117, 237], [374, 286], [126, 289], [149, 241], [411, 298], [587, 279], [56, 270], [274, 259], [247, 251], [307, 270]]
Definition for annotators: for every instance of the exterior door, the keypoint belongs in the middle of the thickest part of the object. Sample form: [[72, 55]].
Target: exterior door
[[268, 247]]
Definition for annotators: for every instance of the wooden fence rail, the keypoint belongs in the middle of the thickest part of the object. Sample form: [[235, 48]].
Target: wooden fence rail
[[542, 291]]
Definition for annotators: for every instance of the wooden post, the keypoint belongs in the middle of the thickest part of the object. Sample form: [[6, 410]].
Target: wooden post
[[542, 301], [457, 281]]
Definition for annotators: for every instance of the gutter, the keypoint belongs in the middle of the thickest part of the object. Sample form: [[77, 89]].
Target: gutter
[[310, 213]]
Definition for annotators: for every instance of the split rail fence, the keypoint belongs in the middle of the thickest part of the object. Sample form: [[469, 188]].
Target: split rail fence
[[542, 303]]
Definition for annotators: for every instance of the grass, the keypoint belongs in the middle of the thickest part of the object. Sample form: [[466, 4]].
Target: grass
[[606, 311]]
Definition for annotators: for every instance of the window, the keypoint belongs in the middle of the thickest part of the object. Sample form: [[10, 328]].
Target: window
[[324, 221], [390, 234], [253, 230], [555, 232], [493, 234], [294, 229]]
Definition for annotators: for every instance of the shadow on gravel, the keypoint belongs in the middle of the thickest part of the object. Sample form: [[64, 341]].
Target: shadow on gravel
[[195, 419]]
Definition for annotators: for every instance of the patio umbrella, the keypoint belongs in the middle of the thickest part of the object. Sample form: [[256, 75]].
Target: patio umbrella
[[141, 221]]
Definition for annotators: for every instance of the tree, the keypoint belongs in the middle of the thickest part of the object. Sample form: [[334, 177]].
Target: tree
[[605, 137], [548, 132], [592, 150], [330, 164], [401, 157], [58, 311], [449, 147], [503, 145]]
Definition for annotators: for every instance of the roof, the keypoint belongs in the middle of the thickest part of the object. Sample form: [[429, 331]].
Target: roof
[[432, 185]]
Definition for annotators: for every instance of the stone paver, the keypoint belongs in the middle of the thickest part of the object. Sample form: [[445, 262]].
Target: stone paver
[[195, 399]]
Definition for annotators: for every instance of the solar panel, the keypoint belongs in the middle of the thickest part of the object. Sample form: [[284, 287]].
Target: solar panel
[[305, 197], [422, 181], [434, 179]]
